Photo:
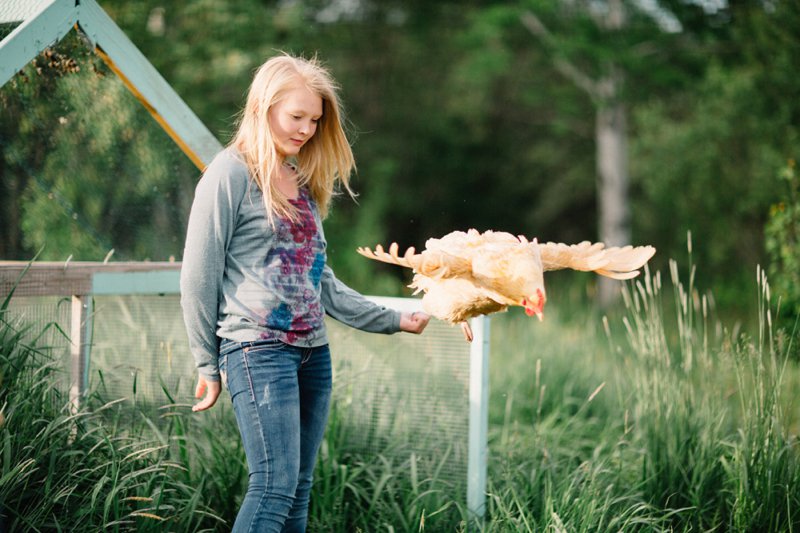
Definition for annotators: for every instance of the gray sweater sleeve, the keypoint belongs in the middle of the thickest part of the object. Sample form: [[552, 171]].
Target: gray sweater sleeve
[[211, 224], [351, 308]]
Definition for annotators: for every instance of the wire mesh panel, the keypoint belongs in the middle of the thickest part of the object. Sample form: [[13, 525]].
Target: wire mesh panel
[[140, 350], [45, 321], [402, 394], [395, 396], [18, 10]]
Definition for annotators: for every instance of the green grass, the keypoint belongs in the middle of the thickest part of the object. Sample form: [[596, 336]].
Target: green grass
[[80, 469], [676, 424], [656, 418]]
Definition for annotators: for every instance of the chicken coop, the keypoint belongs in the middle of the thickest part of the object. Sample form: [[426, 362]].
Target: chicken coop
[[83, 109]]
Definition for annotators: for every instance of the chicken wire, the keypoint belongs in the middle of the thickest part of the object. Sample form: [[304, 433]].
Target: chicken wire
[[394, 396], [45, 323], [405, 394], [15, 11], [86, 171]]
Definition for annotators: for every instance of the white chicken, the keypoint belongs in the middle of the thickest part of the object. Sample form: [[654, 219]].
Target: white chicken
[[464, 275]]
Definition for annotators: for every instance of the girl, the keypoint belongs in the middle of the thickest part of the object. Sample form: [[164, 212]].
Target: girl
[[255, 285]]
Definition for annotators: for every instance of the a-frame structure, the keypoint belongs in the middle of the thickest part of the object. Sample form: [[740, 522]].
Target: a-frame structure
[[43, 23]]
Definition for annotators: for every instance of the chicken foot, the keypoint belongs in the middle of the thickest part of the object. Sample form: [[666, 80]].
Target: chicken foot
[[467, 330]]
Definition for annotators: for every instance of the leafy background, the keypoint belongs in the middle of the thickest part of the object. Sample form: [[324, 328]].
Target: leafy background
[[458, 116]]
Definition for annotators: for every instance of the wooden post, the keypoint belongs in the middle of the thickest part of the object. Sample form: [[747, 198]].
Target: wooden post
[[80, 346]]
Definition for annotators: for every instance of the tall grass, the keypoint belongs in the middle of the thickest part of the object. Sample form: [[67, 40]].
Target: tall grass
[[86, 468], [677, 425], [656, 418], [391, 491]]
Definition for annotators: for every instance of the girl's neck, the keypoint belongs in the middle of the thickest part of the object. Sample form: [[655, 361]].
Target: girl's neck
[[287, 181]]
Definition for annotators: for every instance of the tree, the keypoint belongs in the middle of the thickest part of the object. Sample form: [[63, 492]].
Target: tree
[[91, 172], [460, 118], [707, 155], [611, 135], [610, 38]]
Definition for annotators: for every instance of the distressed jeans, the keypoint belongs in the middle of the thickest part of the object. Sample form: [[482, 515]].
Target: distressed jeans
[[281, 397]]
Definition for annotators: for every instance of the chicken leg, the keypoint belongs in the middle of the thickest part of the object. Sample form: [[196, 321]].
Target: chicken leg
[[467, 330]]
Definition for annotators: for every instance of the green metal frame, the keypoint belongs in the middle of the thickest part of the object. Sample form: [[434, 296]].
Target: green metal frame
[[56, 18]]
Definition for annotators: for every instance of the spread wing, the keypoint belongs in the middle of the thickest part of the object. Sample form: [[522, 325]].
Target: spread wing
[[616, 263], [432, 263]]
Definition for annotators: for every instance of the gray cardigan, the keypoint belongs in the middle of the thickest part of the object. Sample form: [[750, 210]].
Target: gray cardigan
[[223, 261]]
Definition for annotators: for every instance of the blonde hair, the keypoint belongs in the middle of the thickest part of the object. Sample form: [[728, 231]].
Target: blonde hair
[[325, 159]]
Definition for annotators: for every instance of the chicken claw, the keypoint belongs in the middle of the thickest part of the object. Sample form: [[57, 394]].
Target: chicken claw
[[467, 330]]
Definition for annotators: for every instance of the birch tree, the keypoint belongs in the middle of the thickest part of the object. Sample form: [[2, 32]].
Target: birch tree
[[605, 91]]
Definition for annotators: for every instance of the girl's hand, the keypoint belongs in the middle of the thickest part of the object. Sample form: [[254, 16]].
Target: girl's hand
[[211, 389], [414, 322]]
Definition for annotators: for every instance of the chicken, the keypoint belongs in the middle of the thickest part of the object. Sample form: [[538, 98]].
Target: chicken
[[464, 275]]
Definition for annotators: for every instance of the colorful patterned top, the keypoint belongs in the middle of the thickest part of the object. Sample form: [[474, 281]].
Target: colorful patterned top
[[243, 280], [293, 270]]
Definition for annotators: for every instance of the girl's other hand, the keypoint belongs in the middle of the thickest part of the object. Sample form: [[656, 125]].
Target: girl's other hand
[[211, 389]]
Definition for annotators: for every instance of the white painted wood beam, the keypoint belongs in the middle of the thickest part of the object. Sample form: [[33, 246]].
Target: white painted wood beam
[[149, 87], [42, 29]]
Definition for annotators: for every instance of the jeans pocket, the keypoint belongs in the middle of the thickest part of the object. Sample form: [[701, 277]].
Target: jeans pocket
[[266, 344]]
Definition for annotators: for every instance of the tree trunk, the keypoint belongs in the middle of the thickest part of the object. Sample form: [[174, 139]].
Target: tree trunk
[[612, 158], [612, 178], [11, 189], [610, 139]]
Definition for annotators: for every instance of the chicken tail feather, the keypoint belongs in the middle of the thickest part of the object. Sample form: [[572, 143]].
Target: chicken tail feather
[[436, 264]]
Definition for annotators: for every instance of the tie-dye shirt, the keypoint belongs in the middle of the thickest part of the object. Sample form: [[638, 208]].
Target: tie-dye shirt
[[244, 280], [293, 270]]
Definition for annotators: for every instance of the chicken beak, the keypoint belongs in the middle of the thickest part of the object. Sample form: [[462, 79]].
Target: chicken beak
[[531, 309], [534, 312]]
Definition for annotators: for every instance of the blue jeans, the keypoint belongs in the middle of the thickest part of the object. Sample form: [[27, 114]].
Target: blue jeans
[[281, 397]]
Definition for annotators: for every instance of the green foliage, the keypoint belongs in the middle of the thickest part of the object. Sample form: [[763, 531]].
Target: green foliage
[[82, 469], [709, 174], [459, 117], [93, 170], [782, 239], [704, 158]]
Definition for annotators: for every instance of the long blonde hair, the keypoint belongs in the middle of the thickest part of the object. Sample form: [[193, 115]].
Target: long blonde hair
[[325, 159]]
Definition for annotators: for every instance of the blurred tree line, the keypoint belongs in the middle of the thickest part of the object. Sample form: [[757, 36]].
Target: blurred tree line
[[462, 114]]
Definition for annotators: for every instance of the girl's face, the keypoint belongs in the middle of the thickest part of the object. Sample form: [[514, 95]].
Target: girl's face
[[294, 120]]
